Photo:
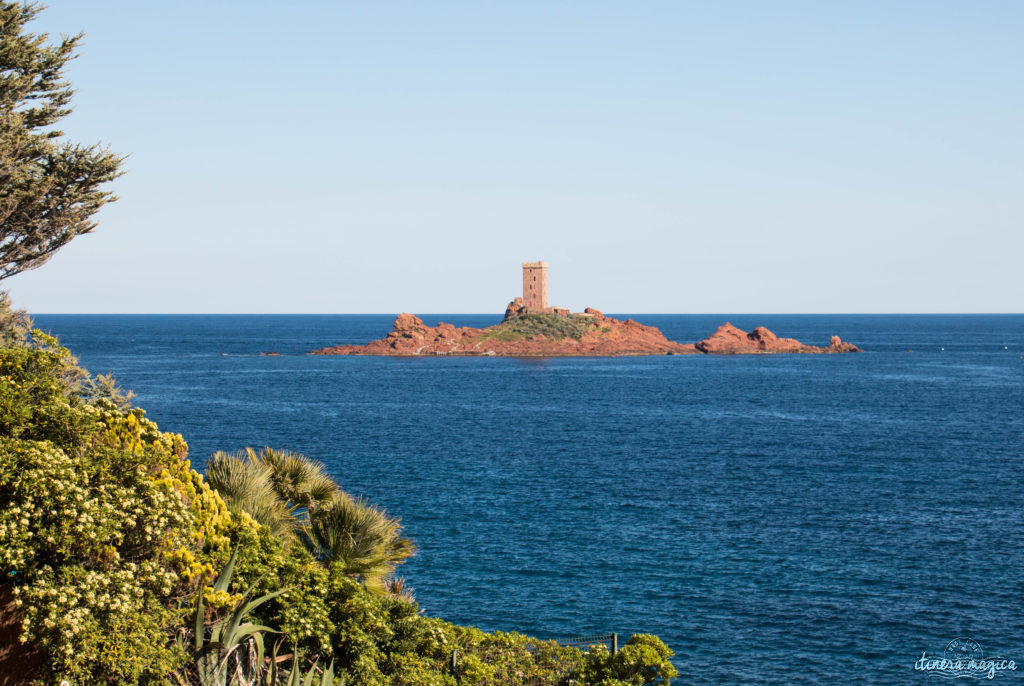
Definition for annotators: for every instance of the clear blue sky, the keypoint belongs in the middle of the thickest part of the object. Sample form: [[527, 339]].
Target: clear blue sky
[[661, 156]]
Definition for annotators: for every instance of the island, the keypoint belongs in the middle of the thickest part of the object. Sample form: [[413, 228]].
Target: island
[[532, 329]]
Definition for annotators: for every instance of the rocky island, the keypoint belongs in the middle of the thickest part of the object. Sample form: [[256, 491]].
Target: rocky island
[[590, 333], [532, 329]]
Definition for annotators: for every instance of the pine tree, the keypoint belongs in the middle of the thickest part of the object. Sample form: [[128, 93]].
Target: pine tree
[[49, 188]]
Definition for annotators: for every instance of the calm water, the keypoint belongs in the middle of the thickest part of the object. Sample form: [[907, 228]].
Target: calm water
[[786, 519]]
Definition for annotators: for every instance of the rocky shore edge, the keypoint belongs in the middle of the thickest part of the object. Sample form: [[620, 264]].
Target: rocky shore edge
[[589, 333]]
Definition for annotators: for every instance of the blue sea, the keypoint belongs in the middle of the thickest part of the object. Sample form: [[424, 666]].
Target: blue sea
[[775, 519]]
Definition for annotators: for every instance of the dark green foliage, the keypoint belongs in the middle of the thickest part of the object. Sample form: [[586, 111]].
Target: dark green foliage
[[36, 398], [536, 325], [49, 188], [15, 325], [294, 497]]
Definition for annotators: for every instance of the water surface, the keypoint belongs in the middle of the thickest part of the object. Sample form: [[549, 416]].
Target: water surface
[[782, 519]]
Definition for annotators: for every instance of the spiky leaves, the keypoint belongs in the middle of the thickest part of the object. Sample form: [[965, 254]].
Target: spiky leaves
[[297, 479], [273, 486], [298, 501], [397, 588], [49, 189], [246, 486], [359, 537], [228, 651]]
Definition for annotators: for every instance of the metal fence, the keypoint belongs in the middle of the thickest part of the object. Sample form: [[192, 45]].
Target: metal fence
[[584, 642], [555, 666]]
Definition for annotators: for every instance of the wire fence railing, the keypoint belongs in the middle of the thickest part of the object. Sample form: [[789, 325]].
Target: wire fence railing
[[584, 642], [549, 662]]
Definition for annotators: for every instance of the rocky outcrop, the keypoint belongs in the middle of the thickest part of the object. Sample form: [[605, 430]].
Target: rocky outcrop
[[838, 345], [516, 308], [523, 334], [730, 340], [409, 337]]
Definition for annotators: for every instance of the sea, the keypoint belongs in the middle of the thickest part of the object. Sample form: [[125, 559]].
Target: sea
[[778, 519]]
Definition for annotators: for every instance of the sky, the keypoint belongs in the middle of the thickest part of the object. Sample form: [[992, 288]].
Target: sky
[[676, 157]]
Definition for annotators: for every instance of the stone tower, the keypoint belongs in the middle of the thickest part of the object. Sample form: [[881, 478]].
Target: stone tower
[[535, 286]]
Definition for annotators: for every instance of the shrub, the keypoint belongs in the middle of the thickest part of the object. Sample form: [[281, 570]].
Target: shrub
[[103, 525], [643, 660], [110, 541], [539, 324]]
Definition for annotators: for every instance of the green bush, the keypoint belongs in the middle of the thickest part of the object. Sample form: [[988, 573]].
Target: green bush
[[643, 660], [111, 541], [103, 524], [538, 325]]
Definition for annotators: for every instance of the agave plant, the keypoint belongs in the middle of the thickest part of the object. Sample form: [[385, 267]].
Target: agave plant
[[231, 653], [279, 676]]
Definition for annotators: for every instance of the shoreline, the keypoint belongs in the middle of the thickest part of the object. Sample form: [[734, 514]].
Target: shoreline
[[588, 334]]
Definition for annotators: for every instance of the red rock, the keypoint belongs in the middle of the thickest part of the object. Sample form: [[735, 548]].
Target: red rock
[[601, 336], [730, 340], [515, 308], [838, 345], [725, 339], [408, 323]]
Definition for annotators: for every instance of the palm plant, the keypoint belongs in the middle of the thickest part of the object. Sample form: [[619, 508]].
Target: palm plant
[[300, 503], [360, 537], [297, 479], [245, 485]]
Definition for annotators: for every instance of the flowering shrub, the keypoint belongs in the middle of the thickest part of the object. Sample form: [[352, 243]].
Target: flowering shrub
[[104, 527], [111, 542]]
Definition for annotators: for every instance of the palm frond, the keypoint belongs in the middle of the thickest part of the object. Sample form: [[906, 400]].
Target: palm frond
[[397, 588], [359, 537], [246, 486], [298, 479], [298, 501]]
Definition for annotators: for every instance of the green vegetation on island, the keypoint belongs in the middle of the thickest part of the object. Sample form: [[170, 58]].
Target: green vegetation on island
[[122, 564], [533, 325]]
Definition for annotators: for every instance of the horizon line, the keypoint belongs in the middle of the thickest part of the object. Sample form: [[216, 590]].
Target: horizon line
[[431, 314]]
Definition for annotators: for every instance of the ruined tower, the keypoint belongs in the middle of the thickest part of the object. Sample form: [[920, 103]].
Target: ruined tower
[[535, 286]]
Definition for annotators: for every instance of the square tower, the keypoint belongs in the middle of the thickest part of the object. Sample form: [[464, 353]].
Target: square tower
[[535, 286]]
